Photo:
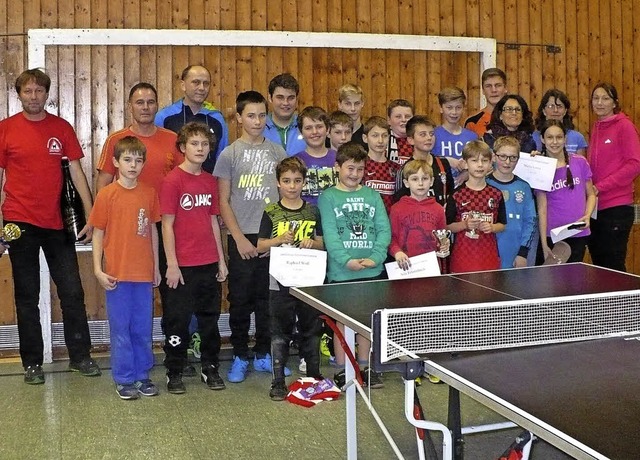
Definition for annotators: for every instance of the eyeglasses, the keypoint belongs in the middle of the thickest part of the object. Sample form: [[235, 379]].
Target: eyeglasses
[[512, 109], [555, 106], [507, 158]]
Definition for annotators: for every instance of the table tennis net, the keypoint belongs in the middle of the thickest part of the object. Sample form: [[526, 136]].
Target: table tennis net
[[411, 332]]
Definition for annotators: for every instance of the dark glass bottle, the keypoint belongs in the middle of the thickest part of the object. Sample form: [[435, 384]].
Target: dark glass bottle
[[73, 217]]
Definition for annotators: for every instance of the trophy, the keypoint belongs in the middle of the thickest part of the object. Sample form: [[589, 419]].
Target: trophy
[[441, 237], [10, 232], [473, 234], [293, 228]]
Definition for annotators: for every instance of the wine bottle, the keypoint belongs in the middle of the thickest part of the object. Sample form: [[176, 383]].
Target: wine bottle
[[73, 217]]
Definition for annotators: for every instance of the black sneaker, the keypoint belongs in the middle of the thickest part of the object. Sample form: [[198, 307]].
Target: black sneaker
[[211, 377], [33, 375], [371, 379], [189, 371], [279, 390], [339, 379], [174, 383], [87, 367]]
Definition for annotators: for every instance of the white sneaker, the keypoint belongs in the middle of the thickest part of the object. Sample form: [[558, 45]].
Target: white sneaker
[[303, 366]]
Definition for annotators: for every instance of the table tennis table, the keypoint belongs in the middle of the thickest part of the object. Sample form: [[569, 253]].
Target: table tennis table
[[582, 396]]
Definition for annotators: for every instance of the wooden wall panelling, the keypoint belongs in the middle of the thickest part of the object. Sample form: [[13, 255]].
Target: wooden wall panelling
[[446, 59], [433, 69], [336, 57], [422, 90], [243, 54], [392, 57], [583, 35], [227, 62], [164, 55], [148, 68], [593, 25], [180, 60], [377, 98], [300, 61], [537, 55], [195, 20], [461, 68], [408, 76], [570, 52], [275, 21], [15, 59], [521, 34], [364, 59], [350, 58], [259, 68], [7, 306], [211, 13]]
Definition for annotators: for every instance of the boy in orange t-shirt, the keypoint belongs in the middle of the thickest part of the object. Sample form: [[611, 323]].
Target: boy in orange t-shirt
[[124, 217]]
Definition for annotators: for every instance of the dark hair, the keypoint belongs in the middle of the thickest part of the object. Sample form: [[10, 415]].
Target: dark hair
[[543, 128], [293, 164], [284, 80], [313, 113], [37, 75], [130, 144], [351, 151], [374, 121], [558, 95], [192, 129], [143, 85], [494, 72], [399, 103], [249, 97], [418, 120], [338, 117], [611, 91], [497, 125], [186, 70]]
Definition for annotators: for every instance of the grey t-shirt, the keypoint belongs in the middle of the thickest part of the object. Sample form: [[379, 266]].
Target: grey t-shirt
[[251, 170]]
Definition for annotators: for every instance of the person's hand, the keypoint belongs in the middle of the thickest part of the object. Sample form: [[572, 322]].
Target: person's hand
[[174, 276], [519, 262], [586, 220], [246, 249], [486, 227], [355, 265], [108, 282], [3, 248], [546, 251], [595, 190], [472, 223], [403, 260], [223, 271], [157, 278], [533, 153], [367, 263], [307, 243], [444, 246], [86, 234], [286, 238]]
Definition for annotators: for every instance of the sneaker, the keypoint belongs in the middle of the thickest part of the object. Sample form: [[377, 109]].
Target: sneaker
[[189, 371], [371, 379], [238, 371], [302, 367], [324, 345], [332, 361], [209, 375], [174, 383], [33, 375], [264, 365], [87, 367], [434, 379], [127, 391], [146, 387], [278, 391], [339, 379], [194, 345]]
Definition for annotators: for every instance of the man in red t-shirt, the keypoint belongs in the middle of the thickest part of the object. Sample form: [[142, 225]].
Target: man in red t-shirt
[[32, 145]]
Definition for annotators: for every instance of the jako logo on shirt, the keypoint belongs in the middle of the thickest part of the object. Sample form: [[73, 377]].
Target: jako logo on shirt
[[188, 201], [54, 146]]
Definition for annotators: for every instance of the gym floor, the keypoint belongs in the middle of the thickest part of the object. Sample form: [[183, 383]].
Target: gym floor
[[75, 417]]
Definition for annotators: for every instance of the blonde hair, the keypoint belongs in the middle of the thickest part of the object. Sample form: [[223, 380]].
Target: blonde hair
[[349, 90], [451, 93], [413, 166], [506, 141], [476, 148]]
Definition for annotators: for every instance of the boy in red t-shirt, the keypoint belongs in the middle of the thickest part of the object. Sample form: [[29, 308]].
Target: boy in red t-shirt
[[124, 217], [195, 262]]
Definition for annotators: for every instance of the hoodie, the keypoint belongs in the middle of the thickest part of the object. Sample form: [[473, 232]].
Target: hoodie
[[411, 224], [614, 157]]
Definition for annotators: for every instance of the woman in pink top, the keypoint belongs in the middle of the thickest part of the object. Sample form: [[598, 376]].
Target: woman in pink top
[[614, 156]]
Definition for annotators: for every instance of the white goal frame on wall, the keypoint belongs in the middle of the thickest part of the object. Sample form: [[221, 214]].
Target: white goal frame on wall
[[39, 39]]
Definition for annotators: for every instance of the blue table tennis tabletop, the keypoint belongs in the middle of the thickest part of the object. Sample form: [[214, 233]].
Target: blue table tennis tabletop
[[583, 397]]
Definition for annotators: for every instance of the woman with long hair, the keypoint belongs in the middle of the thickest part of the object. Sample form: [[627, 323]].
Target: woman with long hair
[[555, 105], [572, 197], [614, 156], [511, 117]]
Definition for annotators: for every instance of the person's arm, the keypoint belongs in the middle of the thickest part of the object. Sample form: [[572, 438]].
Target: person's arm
[[529, 221], [157, 278], [174, 275], [104, 179], [106, 281], [383, 234], [3, 248], [542, 222], [499, 225], [80, 182], [245, 248], [332, 241], [627, 157], [223, 272], [591, 203]]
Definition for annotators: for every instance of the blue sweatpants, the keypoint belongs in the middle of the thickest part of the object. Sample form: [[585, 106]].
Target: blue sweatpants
[[130, 312]]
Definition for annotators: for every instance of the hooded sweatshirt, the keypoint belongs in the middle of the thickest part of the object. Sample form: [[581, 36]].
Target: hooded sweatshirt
[[614, 157], [411, 224]]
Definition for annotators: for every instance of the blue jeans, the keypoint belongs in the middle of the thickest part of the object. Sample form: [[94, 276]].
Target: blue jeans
[[61, 258], [130, 312]]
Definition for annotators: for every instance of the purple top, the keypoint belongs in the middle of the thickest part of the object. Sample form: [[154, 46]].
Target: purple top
[[320, 175]]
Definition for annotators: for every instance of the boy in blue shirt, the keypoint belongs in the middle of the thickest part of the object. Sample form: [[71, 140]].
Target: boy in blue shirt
[[516, 241]]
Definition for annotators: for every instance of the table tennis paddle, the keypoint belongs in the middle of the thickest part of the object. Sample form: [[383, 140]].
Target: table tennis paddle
[[559, 254]]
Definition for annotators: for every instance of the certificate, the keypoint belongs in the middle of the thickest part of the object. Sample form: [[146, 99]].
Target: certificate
[[422, 266], [295, 267], [537, 170], [566, 231]]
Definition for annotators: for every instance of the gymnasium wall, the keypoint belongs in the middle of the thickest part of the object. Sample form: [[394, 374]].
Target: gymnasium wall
[[568, 44]]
